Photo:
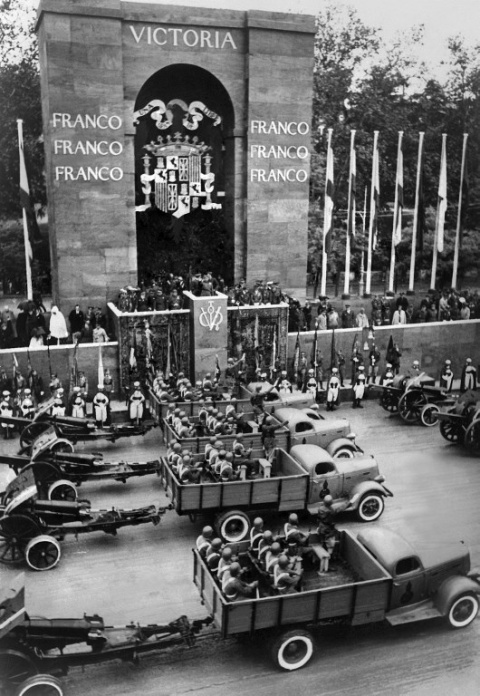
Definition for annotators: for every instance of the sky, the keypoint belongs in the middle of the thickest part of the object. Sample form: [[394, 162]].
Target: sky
[[442, 18]]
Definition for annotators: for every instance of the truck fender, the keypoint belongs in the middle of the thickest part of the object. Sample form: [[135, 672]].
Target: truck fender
[[341, 443], [359, 491], [451, 588]]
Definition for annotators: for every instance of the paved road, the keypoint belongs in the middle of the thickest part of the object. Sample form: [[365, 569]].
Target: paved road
[[144, 574]]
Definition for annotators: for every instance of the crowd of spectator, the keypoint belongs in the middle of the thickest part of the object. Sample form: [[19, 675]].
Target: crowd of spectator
[[32, 326]]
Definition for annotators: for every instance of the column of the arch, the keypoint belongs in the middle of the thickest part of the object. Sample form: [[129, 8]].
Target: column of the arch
[[235, 203]]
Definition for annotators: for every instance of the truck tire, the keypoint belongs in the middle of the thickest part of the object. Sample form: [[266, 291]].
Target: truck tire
[[43, 552], [463, 610], [344, 452], [370, 507], [233, 526], [40, 685], [292, 649]]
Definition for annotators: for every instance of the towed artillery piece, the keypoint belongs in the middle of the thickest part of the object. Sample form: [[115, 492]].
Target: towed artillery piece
[[70, 430], [414, 397], [32, 527], [35, 651], [460, 424]]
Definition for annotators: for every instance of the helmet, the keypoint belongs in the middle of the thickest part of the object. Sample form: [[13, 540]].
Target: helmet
[[334, 370], [99, 386], [27, 391], [269, 420], [361, 367], [216, 544], [6, 393], [284, 373], [213, 441], [276, 549], [267, 535], [389, 366], [136, 384], [222, 453], [227, 553], [258, 522], [185, 421], [283, 561], [177, 412], [239, 436], [234, 569], [177, 447], [448, 362], [468, 360], [328, 500], [182, 414], [416, 363], [293, 518], [310, 372], [219, 444], [186, 459], [207, 532], [229, 457]]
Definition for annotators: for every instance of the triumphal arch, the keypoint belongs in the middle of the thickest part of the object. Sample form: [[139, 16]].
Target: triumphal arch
[[180, 109]]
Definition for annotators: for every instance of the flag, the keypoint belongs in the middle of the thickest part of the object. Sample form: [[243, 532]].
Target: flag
[[296, 356], [442, 196], [25, 200], [218, 371], [464, 195], [101, 372], [15, 366], [375, 192], [255, 342], [390, 355], [167, 361], [352, 189], [329, 193], [397, 214], [333, 355], [421, 205], [273, 357], [133, 352], [355, 346], [313, 359]]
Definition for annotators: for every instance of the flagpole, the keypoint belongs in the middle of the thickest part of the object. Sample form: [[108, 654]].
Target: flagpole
[[459, 214], [362, 255], [350, 222], [440, 221], [26, 239], [326, 219], [411, 283], [372, 217], [397, 217]]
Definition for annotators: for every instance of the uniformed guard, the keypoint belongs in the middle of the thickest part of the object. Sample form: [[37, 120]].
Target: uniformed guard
[[136, 404], [235, 588], [284, 385], [256, 534], [285, 579], [78, 404], [292, 531], [54, 385], [58, 407], [213, 555], [27, 406], [387, 377], [469, 376], [333, 390], [373, 362], [6, 410], [226, 560], [311, 383], [446, 377], [359, 388], [108, 383], [101, 407]]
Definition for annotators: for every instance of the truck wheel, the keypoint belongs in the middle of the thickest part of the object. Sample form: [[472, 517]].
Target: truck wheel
[[293, 649], [40, 685], [463, 610], [428, 415], [233, 526], [371, 507], [43, 552], [344, 452], [63, 490]]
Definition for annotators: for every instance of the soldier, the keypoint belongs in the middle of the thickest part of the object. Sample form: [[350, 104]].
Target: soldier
[[393, 357], [204, 541], [5, 381], [469, 376], [416, 367], [264, 546], [54, 385], [136, 406], [27, 406], [373, 361], [108, 383], [357, 360], [58, 407], [311, 385], [341, 366], [214, 555], [83, 384], [446, 377], [78, 404], [101, 407], [236, 589], [226, 560], [387, 377], [292, 531], [6, 410], [285, 579], [359, 387], [256, 534], [284, 384], [35, 383], [267, 430], [333, 390], [302, 371]]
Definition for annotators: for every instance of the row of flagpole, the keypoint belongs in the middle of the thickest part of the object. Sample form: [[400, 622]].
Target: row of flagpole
[[438, 246]]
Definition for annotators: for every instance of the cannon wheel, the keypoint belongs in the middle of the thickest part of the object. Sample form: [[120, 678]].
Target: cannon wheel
[[15, 533], [410, 405], [389, 401], [32, 431], [43, 552], [472, 436], [452, 432], [40, 685], [62, 490], [61, 445], [16, 666], [428, 415], [45, 473]]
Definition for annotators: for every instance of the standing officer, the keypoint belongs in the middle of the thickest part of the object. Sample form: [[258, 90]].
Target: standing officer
[[333, 390], [446, 377], [359, 388], [101, 407], [136, 404], [469, 376]]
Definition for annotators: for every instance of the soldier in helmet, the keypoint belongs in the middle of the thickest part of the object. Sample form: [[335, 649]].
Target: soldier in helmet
[[6, 410], [213, 555], [285, 579], [264, 546], [267, 430], [387, 377], [469, 376], [333, 390], [272, 556], [27, 406], [101, 407], [226, 560], [256, 534], [311, 385], [204, 541], [292, 531], [284, 384], [235, 588], [446, 377], [359, 387]]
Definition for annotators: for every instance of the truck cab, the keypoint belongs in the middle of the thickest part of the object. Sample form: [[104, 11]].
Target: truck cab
[[333, 434]]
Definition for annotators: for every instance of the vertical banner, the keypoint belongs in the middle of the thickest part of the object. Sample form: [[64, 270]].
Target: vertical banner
[[327, 212], [351, 211], [397, 211], [417, 211], [374, 199], [460, 212], [441, 211]]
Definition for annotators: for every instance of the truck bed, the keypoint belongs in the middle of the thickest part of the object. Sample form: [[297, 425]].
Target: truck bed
[[191, 408], [363, 601], [287, 489], [253, 440]]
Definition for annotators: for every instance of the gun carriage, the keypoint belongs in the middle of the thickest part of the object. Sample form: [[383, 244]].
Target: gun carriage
[[415, 398], [32, 526], [460, 424]]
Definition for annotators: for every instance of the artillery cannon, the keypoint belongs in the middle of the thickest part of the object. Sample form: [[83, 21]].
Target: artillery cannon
[[460, 424], [414, 397]]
